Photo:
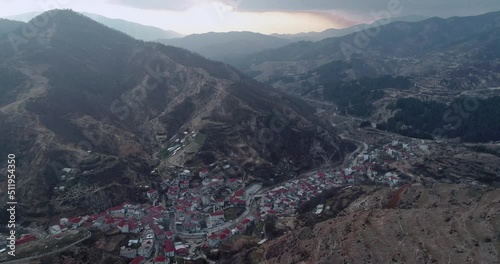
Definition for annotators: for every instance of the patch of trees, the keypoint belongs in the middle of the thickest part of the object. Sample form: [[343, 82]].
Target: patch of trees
[[365, 124], [470, 119], [311, 204], [270, 229], [357, 97], [178, 116]]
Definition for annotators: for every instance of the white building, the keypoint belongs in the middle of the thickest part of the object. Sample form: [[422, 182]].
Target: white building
[[55, 229]]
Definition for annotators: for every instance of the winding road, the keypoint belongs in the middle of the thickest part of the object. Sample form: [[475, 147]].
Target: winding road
[[28, 259]]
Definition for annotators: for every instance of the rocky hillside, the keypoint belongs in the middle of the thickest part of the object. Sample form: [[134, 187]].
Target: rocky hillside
[[438, 223], [81, 95]]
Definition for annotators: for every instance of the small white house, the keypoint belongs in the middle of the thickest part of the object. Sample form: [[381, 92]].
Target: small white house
[[55, 229]]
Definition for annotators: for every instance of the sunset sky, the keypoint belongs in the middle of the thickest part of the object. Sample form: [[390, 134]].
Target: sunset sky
[[264, 16]]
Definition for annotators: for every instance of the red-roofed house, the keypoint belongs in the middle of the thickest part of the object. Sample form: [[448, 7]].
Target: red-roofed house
[[159, 234], [213, 240], [181, 251], [75, 222], [152, 194], [123, 226], [217, 216], [133, 227], [220, 202], [240, 194], [138, 260], [226, 231], [349, 178], [204, 173], [161, 260], [111, 222], [173, 192], [92, 218], [25, 239], [237, 202], [169, 234], [169, 248], [246, 222]]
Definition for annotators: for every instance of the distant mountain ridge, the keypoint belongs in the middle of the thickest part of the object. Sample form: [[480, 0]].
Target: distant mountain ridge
[[224, 46], [231, 46], [435, 49], [334, 32], [138, 31]]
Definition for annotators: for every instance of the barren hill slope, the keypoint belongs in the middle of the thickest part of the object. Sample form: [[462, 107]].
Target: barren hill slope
[[440, 223]]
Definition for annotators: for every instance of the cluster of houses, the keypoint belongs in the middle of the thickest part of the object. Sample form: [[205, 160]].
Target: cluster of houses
[[387, 155], [216, 238], [194, 208], [142, 221], [400, 150], [284, 199]]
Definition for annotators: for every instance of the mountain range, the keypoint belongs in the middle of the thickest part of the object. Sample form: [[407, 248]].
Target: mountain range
[[221, 46], [82, 95], [434, 51], [231, 46], [334, 32], [135, 30], [228, 45]]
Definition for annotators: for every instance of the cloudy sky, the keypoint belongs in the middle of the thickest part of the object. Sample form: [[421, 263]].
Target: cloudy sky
[[265, 16]]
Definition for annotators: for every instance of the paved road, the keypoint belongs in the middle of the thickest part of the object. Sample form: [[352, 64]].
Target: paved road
[[355, 154]]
